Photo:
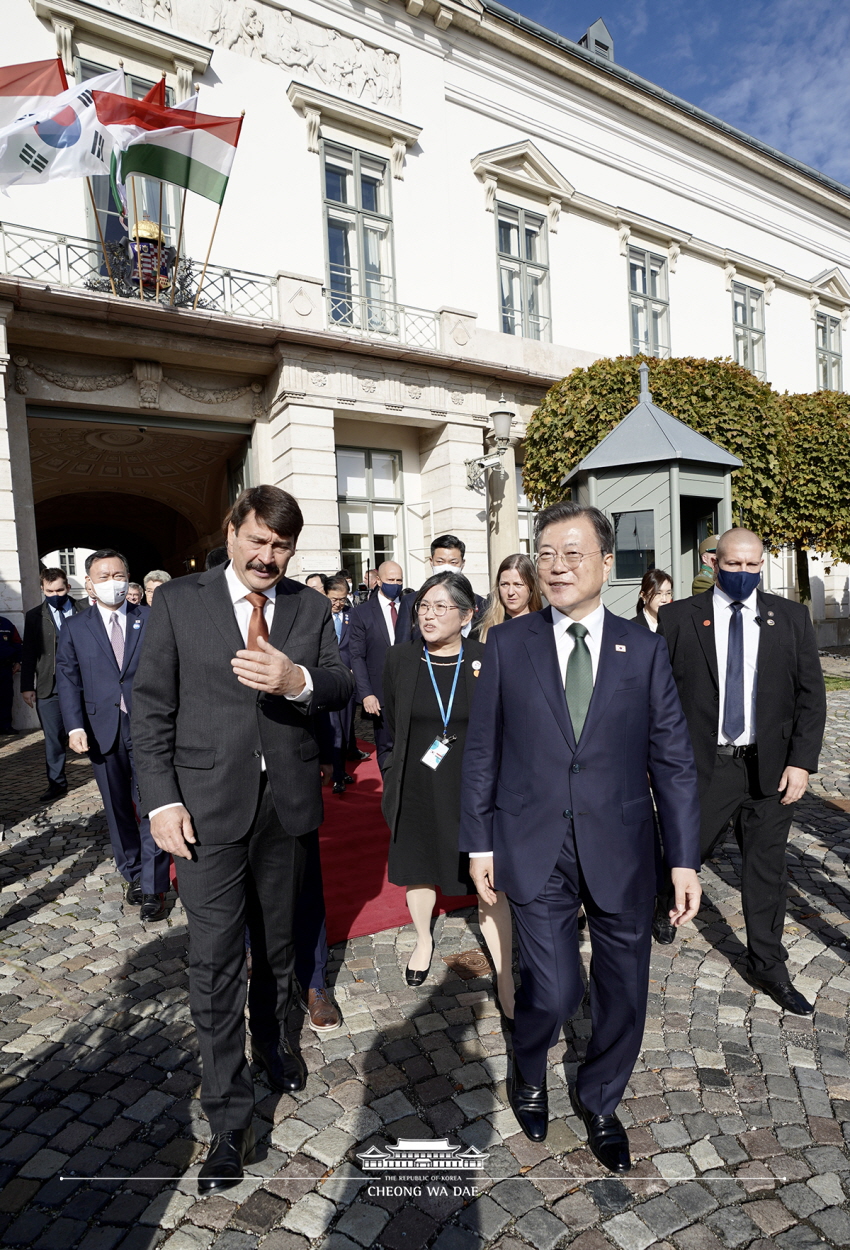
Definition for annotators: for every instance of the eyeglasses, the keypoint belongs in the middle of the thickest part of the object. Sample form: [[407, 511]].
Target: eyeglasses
[[572, 559], [438, 609]]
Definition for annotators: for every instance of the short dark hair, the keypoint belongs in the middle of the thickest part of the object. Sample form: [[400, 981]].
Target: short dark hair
[[567, 511], [310, 576], [277, 508], [335, 583], [53, 575], [106, 553], [217, 556], [343, 573], [449, 542]]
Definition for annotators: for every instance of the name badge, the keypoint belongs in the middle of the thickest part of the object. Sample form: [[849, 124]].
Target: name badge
[[436, 753]]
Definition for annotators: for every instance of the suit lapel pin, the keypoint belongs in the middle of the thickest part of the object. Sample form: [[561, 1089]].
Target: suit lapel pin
[[770, 614], [137, 625], [618, 646], [771, 622], [706, 622], [476, 667]]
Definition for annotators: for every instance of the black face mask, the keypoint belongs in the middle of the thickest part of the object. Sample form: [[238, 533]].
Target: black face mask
[[59, 602]]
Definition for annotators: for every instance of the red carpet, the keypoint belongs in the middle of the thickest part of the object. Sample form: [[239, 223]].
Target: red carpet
[[354, 845]]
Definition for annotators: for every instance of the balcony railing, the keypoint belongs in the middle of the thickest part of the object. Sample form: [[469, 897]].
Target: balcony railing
[[64, 261], [382, 319]]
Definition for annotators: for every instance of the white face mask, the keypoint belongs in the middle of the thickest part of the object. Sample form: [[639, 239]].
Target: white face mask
[[112, 593], [438, 566]]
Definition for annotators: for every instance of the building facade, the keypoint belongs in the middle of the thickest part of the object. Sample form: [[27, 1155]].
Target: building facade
[[437, 209]]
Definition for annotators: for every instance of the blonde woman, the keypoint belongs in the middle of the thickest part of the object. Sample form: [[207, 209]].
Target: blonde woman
[[514, 594]]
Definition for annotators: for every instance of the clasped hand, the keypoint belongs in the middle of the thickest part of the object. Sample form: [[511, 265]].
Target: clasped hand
[[268, 670]]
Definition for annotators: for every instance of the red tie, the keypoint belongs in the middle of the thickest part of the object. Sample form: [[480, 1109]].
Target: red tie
[[257, 627], [393, 613]]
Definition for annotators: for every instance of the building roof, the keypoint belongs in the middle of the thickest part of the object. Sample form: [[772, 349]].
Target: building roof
[[649, 434], [643, 84]]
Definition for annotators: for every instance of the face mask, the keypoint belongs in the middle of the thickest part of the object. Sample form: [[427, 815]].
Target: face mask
[[738, 586], [391, 589], [442, 564], [58, 601], [111, 594]]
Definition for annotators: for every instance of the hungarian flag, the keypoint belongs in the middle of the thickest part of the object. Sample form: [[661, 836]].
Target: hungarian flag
[[122, 136], [29, 88], [65, 139], [188, 149]]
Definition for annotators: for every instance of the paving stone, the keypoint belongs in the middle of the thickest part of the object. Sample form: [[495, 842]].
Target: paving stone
[[310, 1216], [542, 1229], [733, 1226], [362, 1222], [629, 1232], [834, 1224], [189, 1238], [260, 1213], [408, 1230]]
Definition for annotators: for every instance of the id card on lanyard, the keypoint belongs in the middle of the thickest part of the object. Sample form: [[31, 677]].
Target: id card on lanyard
[[442, 744]]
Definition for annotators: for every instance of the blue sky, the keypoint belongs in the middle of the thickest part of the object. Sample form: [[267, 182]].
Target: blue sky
[[778, 69]]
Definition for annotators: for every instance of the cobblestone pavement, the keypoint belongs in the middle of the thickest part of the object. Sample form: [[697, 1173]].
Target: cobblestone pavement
[[738, 1117]]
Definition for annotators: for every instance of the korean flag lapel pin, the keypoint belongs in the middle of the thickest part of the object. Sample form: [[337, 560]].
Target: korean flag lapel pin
[[619, 646], [476, 667]]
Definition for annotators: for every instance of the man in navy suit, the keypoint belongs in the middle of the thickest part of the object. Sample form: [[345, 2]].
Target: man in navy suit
[[576, 716], [371, 632], [96, 661]]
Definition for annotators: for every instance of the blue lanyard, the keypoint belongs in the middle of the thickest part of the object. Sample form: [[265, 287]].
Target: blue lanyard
[[445, 713]]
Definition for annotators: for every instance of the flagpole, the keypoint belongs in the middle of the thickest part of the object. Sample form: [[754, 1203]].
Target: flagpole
[[100, 236], [158, 244], [138, 248], [207, 261], [179, 241]]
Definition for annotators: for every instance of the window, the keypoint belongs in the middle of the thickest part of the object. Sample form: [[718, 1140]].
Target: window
[[649, 304], [147, 190], [370, 508], [634, 545], [523, 273], [748, 317], [68, 561], [829, 352], [526, 515], [358, 231]]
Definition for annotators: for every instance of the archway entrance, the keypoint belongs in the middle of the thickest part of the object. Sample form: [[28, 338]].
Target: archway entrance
[[154, 488]]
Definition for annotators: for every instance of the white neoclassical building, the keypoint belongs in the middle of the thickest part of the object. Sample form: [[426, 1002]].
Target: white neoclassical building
[[437, 209]]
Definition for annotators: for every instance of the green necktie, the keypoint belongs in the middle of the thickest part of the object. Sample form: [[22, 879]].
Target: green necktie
[[579, 684]]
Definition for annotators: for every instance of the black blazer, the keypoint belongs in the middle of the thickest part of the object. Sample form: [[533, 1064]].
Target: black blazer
[[640, 619], [790, 694], [199, 735], [401, 671], [368, 644], [38, 661]]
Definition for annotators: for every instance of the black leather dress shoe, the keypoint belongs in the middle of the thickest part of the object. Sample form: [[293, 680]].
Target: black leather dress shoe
[[228, 1154], [53, 791], [783, 993], [339, 787], [287, 1071], [662, 930], [416, 976], [153, 907], [530, 1105], [348, 779], [358, 755], [133, 892], [606, 1136]]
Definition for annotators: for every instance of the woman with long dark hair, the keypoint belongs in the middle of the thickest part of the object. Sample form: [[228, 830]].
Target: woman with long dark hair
[[656, 589], [429, 684], [515, 592]]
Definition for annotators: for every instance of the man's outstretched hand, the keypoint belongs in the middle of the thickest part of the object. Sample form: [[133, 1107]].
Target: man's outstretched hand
[[688, 895]]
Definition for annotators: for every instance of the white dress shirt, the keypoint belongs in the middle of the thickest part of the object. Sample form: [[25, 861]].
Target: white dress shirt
[[564, 642], [58, 617], [386, 608], [722, 616], [653, 624]]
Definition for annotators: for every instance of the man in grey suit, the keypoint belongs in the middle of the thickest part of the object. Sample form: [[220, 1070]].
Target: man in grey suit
[[237, 664]]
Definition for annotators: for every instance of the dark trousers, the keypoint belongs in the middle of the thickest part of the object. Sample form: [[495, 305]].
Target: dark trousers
[[552, 986], [383, 742], [311, 934], [55, 739], [254, 881], [341, 726], [761, 831], [136, 853], [7, 688]]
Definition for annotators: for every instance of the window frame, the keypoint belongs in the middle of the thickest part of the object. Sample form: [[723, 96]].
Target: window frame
[[833, 359], [657, 351], [365, 312], [526, 516], [544, 320], [370, 501], [755, 336], [616, 579]]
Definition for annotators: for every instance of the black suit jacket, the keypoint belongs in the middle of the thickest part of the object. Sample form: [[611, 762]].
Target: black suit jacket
[[790, 694], [640, 619], [368, 644], [89, 682], [199, 735], [38, 661]]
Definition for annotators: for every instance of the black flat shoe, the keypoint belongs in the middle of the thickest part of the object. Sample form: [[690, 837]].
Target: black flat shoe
[[530, 1105], [606, 1136], [286, 1071], [228, 1154], [133, 892], [416, 976], [153, 907], [663, 930], [783, 993]]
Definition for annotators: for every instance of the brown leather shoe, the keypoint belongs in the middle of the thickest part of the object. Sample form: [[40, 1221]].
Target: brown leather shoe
[[323, 1012]]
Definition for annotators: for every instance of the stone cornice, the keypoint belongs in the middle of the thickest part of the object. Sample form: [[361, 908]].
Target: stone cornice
[[320, 107], [131, 33]]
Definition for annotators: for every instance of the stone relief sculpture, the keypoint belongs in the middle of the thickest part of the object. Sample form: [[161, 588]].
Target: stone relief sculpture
[[158, 11]]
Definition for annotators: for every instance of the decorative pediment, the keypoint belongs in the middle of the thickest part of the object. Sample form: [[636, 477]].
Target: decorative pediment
[[832, 283], [523, 167], [318, 107]]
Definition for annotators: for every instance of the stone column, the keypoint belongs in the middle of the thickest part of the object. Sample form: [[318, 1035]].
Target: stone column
[[303, 459], [502, 514], [456, 509]]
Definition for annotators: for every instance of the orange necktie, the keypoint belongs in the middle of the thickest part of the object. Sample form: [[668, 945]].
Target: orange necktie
[[257, 627]]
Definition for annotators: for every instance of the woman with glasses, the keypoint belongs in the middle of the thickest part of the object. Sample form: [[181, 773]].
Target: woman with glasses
[[514, 594], [429, 685], [656, 589]]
